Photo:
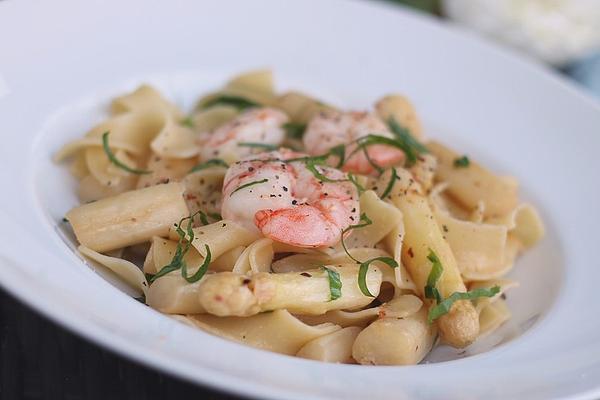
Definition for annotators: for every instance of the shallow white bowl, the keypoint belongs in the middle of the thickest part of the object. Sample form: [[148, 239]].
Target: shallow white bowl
[[61, 61]]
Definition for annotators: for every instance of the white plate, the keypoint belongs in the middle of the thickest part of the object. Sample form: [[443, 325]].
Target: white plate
[[60, 62]]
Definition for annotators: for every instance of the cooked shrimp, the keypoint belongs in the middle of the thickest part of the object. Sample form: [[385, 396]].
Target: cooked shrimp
[[286, 202], [331, 128], [258, 125]]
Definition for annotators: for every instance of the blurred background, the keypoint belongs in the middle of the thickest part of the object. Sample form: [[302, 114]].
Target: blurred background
[[563, 34]]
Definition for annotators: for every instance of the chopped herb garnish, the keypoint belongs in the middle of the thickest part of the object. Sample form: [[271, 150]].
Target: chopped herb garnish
[[352, 178], [239, 102], [364, 221], [364, 265], [115, 161], [431, 291], [462, 162], [372, 139], [245, 185], [188, 121], [312, 167], [201, 271], [373, 164], [338, 151], [445, 306], [215, 162], [411, 146], [65, 220], [294, 130], [390, 185], [178, 262], [216, 216], [180, 251], [203, 218], [265, 146], [364, 268], [335, 284]]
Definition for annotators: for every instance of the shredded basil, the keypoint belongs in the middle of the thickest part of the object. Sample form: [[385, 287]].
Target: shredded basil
[[214, 162], [338, 151], [216, 216], [364, 221], [335, 284], [445, 306], [390, 185], [373, 139], [203, 218], [352, 178], [364, 268], [462, 162], [188, 121], [181, 250], [201, 271], [372, 163], [312, 167], [431, 291], [364, 265], [265, 146], [249, 184], [239, 102], [411, 146], [115, 161], [294, 130], [178, 262]]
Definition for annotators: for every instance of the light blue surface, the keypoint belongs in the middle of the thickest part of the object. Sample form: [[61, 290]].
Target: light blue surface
[[587, 72]]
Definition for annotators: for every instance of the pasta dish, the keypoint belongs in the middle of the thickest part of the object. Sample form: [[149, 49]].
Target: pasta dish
[[288, 224]]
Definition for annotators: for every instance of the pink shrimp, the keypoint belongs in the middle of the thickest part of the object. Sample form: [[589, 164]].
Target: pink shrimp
[[331, 128], [258, 125], [286, 202]]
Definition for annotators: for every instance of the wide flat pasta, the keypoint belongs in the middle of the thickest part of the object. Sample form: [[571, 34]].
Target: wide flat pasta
[[279, 221], [286, 334]]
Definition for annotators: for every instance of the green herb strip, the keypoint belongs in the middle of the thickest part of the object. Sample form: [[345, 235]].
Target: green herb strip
[[411, 146], [372, 163], [201, 271], [335, 284], [364, 268], [388, 189], [249, 184], [462, 162], [265, 146], [178, 262], [215, 216], [188, 121], [312, 167], [239, 102], [294, 130], [114, 159], [338, 151], [352, 178], [203, 218], [373, 139], [364, 221], [431, 291], [445, 306], [214, 162], [364, 265], [180, 251]]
